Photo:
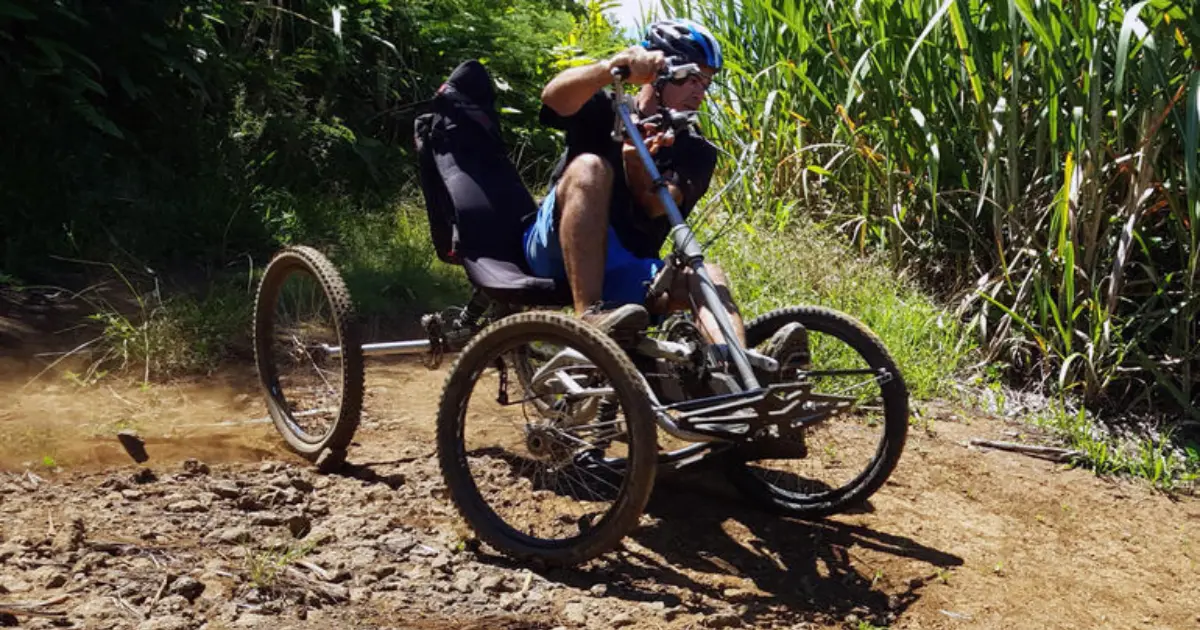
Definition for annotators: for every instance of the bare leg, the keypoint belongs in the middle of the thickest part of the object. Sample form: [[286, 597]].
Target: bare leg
[[582, 197], [707, 319], [685, 293]]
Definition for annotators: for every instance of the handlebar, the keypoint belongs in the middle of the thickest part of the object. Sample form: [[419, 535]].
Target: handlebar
[[670, 72]]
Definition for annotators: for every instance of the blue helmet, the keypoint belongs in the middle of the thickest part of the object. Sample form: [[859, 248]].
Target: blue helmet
[[686, 39]]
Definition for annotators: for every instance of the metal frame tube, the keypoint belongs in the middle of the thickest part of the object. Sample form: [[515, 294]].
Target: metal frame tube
[[686, 245], [384, 348]]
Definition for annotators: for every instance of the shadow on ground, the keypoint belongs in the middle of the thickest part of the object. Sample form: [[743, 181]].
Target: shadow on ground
[[705, 546]]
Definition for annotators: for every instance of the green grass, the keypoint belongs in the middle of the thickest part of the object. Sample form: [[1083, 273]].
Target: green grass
[[390, 267], [387, 261], [1167, 463], [264, 566], [159, 336], [806, 263]]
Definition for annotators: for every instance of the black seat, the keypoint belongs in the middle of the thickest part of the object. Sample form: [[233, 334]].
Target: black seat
[[508, 282], [474, 192]]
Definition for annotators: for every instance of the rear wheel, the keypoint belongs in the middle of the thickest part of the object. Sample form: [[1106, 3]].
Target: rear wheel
[[304, 310], [557, 466], [850, 453]]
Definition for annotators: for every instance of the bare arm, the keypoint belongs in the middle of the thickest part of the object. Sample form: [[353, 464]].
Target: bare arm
[[571, 88], [643, 188], [640, 184]]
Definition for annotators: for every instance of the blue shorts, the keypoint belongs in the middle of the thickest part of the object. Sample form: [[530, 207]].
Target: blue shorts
[[626, 277]]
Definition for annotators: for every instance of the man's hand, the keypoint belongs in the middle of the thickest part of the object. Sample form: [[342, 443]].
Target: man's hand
[[636, 176], [643, 64]]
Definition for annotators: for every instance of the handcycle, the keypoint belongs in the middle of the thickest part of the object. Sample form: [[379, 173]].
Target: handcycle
[[591, 419]]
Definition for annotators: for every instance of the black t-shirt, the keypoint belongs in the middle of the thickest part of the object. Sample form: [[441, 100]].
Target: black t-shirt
[[691, 157]]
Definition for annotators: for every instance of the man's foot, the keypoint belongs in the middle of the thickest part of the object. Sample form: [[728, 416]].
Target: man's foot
[[789, 346], [623, 322]]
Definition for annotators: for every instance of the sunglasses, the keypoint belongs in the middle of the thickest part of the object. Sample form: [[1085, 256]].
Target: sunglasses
[[705, 79]]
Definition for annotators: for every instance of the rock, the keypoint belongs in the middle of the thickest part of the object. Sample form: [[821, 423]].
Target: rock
[[277, 543], [318, 508], [302, 485], [299, 525], [598, 590], [8, 621], [321, 536], [9, 550], [144, 476], [424, 550], [173, 603], [440, 562], [134, 445], [330, 461], [70, 538], [463, 584], [378, 494], [50, 577], [621, 620], [172, 622], [341, 575], [383, 571], [723, 620], [362, 558], [225, 490], [737, 594], [398, 543], [233, 535], [187, 506], [97, 609], [248, 503], [250, 620], [115, 484], [509, 601], [17, 585], [195, 467], [131, 495], [280, 481], [656, 607], [267, 519], [187, 587], [270, 467], [494, 584], [131, 591], [574, 613]]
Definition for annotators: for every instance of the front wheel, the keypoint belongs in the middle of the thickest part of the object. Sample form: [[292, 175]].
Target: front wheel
[[308, 351], [850, 454], [556, 465]]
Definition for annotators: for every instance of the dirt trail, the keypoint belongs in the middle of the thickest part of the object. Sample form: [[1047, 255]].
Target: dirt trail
[[252, 536]]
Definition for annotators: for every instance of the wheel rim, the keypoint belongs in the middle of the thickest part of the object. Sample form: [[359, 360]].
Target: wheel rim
[[306, 383], [544, 467], [844, 448]]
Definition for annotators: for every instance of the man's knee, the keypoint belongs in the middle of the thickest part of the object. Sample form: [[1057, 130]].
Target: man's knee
[[717, 275], [589, 172]]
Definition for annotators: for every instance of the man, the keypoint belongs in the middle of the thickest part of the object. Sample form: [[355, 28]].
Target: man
[[602, 225]]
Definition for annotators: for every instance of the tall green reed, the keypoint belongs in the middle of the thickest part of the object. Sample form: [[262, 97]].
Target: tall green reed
[[1034, 159]]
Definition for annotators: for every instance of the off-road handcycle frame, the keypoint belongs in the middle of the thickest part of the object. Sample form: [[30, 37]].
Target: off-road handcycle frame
[[723, 402]]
